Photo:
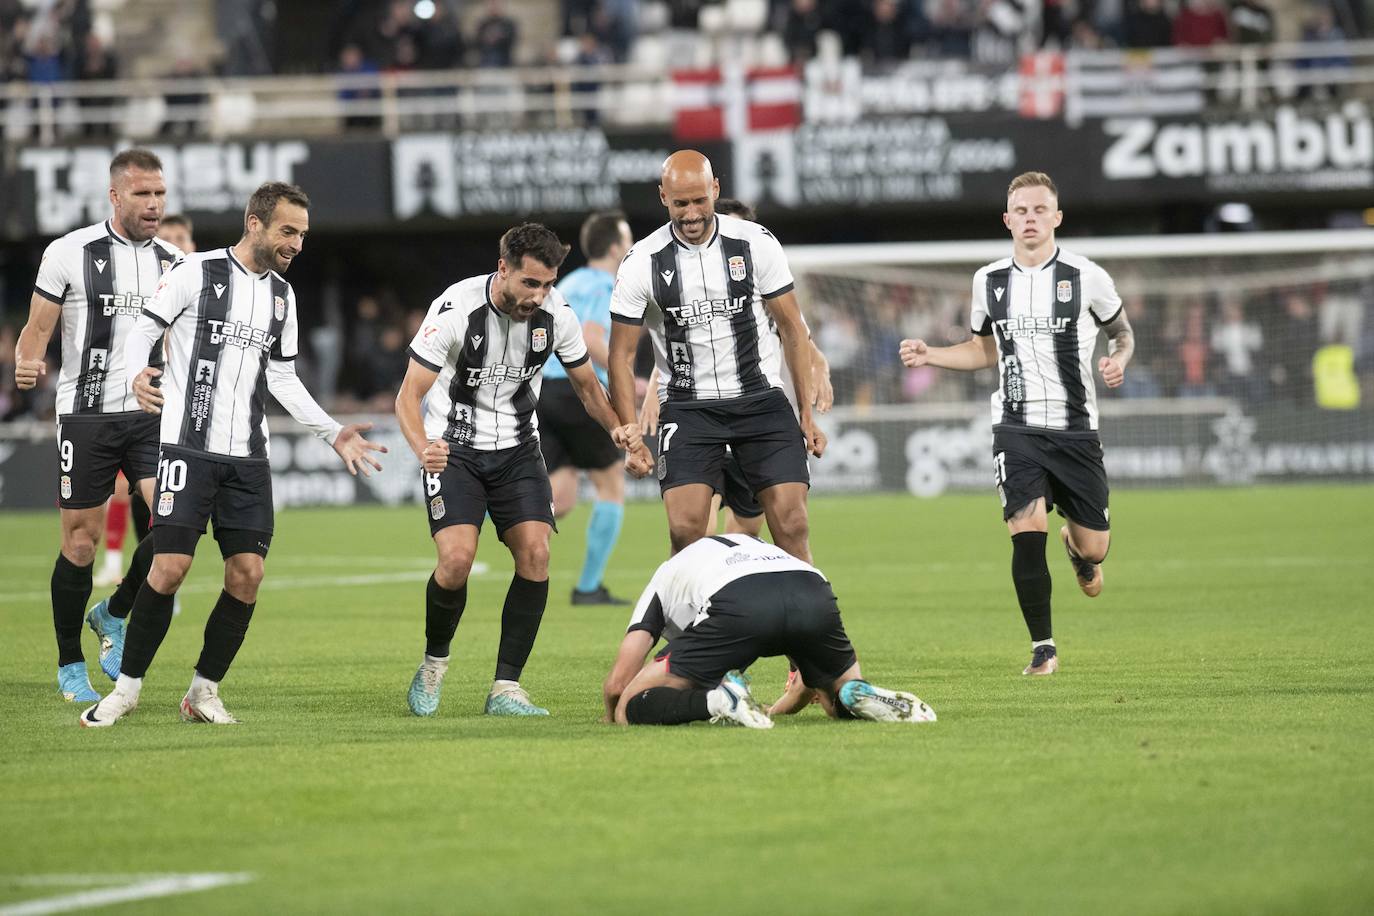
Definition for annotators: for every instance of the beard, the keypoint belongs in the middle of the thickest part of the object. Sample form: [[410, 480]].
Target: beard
[[266, 256], [509, 304], [132, 227]]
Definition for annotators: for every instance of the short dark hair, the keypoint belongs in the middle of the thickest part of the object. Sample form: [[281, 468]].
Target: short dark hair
[[264, 201], [600, 231], [136, 158], [176, 219], [536, 241], [732, 207]]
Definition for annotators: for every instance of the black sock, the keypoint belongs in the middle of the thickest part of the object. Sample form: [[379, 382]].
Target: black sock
[[71, 589], [139, 512], [224, 632], [148, 623], [525, 601], [1031, 575], [667, 706], [443, 610], [124, 596]]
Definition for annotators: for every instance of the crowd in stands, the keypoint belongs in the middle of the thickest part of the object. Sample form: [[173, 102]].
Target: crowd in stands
[[52, 43]]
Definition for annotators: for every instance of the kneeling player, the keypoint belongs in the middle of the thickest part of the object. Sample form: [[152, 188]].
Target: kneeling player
[[723, 602]]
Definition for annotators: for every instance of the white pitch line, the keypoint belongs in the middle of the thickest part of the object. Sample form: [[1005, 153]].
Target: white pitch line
[[145, 888]]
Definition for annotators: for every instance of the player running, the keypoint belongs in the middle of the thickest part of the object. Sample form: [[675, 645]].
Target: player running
[[96, 280], [724, 602], [231, 327], [1036, 317], [467, 408]]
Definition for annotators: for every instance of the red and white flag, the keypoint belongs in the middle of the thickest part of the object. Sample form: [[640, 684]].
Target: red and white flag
[[726, 102]]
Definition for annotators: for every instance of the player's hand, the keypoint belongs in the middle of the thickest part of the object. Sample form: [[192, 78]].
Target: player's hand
[[913, 353], [816, 440], [353, 449], [27, 371], [639, 461], [435, 456], [149, 396], [1111, 370], [648, 415], [823, 394], [627, 436]]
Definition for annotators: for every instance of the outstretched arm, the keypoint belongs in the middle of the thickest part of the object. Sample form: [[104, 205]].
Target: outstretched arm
[[1120, 349], [634, 649], [347, 441], [978, 353]]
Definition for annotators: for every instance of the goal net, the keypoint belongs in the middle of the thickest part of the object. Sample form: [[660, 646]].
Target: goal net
[[1254, 360]]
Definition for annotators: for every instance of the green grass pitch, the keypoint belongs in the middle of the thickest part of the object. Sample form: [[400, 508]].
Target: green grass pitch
[[1206, 747]]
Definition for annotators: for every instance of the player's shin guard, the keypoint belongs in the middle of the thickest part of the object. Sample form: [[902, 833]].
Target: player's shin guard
[[148, 622], [142, 516], [123, 598], [603, 530], [525, 602], [71, 589], [667, 706], [443, 610], [224, 632], [1031, 575]]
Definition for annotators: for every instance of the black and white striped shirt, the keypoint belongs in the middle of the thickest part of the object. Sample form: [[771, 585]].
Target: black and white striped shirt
[[490, 365], [1045, 321], [231, 338], [102, 281], [703, 305]]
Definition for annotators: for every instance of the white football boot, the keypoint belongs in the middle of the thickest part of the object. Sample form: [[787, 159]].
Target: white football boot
[[118, 703], [202, 704], [732, 702], [878, 704]]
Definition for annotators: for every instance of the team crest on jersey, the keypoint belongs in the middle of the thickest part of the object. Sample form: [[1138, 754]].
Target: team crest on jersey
[[736, 265], [66, 487], [279, 308], [539, 340], [1063, 291], [165, 502], [166, 266], [436, 508]]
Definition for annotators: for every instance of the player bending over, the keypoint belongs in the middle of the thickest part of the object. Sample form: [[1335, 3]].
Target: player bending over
[[722, 603]]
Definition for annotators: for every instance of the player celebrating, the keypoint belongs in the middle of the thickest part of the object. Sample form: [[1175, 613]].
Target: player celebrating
[[230, 321], [97, 280], [484, 341], [570, 439], [724, 602], [707, 285], [1036, 316]]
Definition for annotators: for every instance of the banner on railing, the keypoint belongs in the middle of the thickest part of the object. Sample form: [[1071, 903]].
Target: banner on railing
[[1167, 446]]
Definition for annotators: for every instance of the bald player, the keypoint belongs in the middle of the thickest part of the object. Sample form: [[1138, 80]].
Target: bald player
[[706, 286]]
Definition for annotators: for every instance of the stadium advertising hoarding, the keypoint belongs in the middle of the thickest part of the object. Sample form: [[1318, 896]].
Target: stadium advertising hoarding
[[1160, 444]]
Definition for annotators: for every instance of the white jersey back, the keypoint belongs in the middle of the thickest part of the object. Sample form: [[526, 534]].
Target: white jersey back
[[680, 591], [703, 305], [102, 281], [489, 365], [223, 324], [1045, 321]]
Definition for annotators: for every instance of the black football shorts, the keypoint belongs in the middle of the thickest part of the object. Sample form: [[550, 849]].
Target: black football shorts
[[93, 449], [510, 484], [1066, 470], [761, 431], [233, 494]]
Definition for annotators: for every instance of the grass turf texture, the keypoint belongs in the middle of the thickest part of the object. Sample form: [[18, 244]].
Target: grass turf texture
[[1205, 748]]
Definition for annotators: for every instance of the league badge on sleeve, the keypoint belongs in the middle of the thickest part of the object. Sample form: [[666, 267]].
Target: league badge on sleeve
[[279, 308], [1063, 291], [736, 265], [539, 340]]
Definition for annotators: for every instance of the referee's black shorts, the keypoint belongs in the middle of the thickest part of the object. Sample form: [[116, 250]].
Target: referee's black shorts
[[792, 613], [567, 434]]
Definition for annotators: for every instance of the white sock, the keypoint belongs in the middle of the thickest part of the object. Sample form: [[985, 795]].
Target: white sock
[[114, 560], [1037, 643], [199, 684], [126, 684], [499, 686], [437, 660], [719, 701]]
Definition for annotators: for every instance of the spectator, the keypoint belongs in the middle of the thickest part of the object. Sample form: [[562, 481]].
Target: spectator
[[441, 40], [45, 63], [1191, 351], [1297, 342], [353, 63], [1321, 28], [951, 28], [183, 106], [1085, 37], [616, 23], [1252, 23], [590, 53], [887, 39], [801, 24], [1199, 24], [1147, 26], [496, 37], [1238, 342]]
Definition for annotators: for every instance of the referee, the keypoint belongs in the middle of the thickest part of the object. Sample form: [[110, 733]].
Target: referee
[[571, 440]]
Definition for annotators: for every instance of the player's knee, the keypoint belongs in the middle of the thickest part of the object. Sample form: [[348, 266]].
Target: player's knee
[[455, 563], [532, 560], [168, 572], [1094, 548], [242, 578], [79, 547], [791, 523]]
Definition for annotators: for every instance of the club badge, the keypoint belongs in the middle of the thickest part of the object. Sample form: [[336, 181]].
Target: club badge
[[662, 466], [165, 503], [436, 508], [736, 265], [66, 487], [539, 340], [279, 308], [1063, 291]]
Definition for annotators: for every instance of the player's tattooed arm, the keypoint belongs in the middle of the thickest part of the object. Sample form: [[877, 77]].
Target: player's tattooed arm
[[1120, 349]]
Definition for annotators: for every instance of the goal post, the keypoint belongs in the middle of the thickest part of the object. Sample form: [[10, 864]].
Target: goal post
[[1254, 360]]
